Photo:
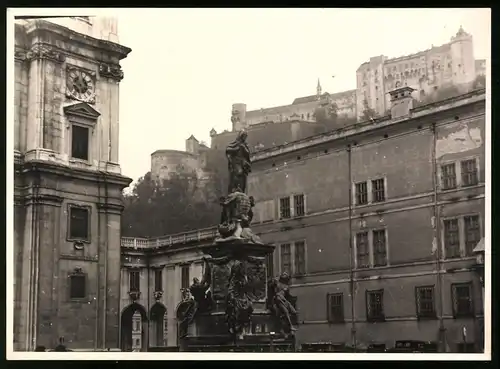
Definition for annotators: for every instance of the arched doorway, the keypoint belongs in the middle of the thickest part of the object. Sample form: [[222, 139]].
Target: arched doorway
[[158, 316], [134, 328]]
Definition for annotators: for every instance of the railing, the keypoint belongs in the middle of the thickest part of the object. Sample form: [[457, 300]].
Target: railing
[[169, 240]]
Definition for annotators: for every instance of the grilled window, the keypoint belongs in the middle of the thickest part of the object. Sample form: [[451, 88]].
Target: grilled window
[[298, 201], [451, 238], [335, 305], [361, 193], [362, 250], [375, 305], [300, 258], [285, 207], [462, 300], [185, 276], [469, 172], [79, 223], [378, 190], [472, 233], [379, 248], [285, 256], [158, 280], [425, 302], [448, 176], [79, 142], [77, 286], [134, 281]]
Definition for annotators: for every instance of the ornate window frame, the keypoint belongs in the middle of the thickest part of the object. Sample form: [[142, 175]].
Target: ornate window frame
[[83, 115], [89, 224], [78, 272]]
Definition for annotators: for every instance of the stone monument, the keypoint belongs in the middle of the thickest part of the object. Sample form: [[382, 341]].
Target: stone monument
[[237, 306]]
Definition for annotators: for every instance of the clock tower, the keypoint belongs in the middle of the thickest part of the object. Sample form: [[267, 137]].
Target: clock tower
[[68, 183]]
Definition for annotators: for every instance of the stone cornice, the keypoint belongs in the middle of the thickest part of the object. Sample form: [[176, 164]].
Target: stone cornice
[[113, 71], [40, 26], [43, 199], [88, 175], [111, 208], [41, 51]]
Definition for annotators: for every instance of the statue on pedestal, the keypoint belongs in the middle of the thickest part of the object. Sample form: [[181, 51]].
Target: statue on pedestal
[[239, 165], [237, 206], [282, 303]]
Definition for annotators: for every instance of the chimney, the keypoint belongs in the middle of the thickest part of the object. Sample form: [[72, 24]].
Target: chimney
[[401, 102]]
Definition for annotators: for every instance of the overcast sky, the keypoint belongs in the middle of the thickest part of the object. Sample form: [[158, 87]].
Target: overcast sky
[[188, 66]]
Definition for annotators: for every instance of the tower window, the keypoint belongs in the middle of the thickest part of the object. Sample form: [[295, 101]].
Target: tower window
[[79, 224], [79, 142], [77, 285]]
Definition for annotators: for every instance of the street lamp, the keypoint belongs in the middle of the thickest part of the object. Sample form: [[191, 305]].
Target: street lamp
[[479, 268], [271, 336]]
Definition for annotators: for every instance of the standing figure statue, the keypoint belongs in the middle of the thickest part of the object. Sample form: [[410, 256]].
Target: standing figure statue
[[239, 165], [239, 308], [282, 303]]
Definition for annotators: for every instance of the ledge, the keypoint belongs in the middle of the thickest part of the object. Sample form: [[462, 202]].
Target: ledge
[[49, 162], [39, 25]]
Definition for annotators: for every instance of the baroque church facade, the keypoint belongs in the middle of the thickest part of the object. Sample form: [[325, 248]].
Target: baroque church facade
[[68, 182]]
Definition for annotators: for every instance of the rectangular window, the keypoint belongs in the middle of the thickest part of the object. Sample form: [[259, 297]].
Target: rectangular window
[[298, 201], [469, 172], [300, 258], [134, 281], [362, 250], [379, 248], [270, 265], [79, 223], [335, 305], [472, 233], [77, 286], [285, 207], [448, 176], [285, 256], [158, 280], [451, 238], [375, 305], [185, 276], [378, 190], [79, 142], [361, 193], [425, 302], [462, 300]]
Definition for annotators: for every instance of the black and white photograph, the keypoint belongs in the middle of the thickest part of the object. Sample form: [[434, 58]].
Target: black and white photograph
[[259, 183]]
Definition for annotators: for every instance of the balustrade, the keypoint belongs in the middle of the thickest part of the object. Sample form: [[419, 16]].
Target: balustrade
[[169, 240]]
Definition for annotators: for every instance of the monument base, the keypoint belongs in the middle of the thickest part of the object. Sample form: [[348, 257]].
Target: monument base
[[208, 332]]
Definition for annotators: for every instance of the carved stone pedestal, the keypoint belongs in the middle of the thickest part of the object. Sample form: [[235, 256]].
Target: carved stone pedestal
[[238, 275]]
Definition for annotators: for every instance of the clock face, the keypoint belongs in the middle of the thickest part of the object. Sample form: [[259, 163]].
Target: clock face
[[80, 85]]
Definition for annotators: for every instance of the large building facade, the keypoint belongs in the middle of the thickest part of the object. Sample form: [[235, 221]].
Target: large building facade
[[68, 183], [376, 223]]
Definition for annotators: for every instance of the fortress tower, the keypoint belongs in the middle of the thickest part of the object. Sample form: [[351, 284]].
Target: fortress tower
[[463, 62]]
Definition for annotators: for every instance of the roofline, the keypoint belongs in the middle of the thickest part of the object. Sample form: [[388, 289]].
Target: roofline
[[167, 151], [351, 131]]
